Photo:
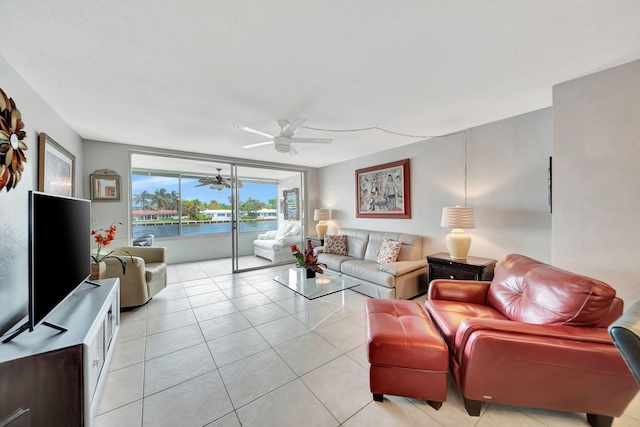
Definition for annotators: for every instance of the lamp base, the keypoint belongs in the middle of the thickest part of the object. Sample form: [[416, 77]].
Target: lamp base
[[458, 243], [321, 229]]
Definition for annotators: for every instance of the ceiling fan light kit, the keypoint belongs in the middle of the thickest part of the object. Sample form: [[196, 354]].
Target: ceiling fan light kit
[[283, 142], [217, 182], [282, 145]]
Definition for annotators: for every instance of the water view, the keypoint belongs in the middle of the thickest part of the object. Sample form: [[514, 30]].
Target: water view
[[172, 229]]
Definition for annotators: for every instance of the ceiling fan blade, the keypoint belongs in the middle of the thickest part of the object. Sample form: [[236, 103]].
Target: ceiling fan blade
[[203, 184], [292, 151], [293, 127], [257, 145], [248, 129], [312, 140]]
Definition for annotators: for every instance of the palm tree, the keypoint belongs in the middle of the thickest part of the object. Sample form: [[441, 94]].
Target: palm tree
[[159, 198], [142, 200], [172, 200]]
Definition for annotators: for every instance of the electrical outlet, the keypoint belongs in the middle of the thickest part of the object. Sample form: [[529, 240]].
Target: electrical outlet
[[96, 219]]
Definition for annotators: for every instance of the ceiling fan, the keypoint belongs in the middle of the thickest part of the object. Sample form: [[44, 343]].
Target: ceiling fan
[[217, 182], [282, 142]]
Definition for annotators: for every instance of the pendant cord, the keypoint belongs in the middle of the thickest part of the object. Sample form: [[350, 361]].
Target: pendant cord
[[465, 168]]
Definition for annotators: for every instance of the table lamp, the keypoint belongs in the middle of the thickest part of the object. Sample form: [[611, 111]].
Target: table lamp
[[321, 215], [457, 218]]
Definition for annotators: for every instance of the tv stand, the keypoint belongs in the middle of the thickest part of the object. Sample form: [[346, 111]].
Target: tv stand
[[58, 377], [26, 326]]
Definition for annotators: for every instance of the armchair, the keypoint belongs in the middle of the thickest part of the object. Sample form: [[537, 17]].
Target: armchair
[[146, 273], [535, 336], [274, 245]]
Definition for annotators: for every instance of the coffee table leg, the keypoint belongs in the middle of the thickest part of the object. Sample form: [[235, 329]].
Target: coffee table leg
[[330, 314]]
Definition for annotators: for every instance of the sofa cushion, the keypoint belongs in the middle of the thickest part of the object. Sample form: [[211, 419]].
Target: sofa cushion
[[357, 241], [154, 270], [411, 249], [526, 290], [295, 230], [389, 251], [449, 314], [335, 245], [277, 245], [367, 270], [333, 261]]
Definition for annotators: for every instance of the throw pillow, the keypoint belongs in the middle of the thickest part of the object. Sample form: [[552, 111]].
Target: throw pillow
[[283, 229], [295, 230], [335, 245], [389, 251]]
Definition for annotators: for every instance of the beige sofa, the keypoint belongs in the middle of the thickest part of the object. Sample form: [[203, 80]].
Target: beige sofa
[[146, 273], [402, 279]]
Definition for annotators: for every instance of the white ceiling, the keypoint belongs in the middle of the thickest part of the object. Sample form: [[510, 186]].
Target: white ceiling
[[179, 75]]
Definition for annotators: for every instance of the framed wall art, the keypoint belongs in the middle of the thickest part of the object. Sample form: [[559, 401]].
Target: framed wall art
[[384, 191], [290, 202], [56, 168], [105, 186]]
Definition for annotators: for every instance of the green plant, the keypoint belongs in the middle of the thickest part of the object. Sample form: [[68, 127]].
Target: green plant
[[104, 238], [307, 259]]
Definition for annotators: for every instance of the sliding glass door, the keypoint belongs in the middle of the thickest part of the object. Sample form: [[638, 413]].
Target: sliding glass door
[[268, 216], [233, 216]]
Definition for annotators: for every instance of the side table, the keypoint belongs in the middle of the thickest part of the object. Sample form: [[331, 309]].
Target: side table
[[315, 241], [442, 266]]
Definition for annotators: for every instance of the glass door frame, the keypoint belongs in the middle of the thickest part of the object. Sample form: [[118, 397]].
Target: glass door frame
[[235, 219], [235, 213]]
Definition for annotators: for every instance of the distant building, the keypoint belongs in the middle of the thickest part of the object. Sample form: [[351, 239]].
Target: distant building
[[267, 213], [218, 214], [152, 214]]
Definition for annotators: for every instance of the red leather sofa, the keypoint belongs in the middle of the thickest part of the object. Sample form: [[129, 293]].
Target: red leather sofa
[[535, 336]]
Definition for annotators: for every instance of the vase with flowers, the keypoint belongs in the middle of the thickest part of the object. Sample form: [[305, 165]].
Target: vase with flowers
[[308, 260], [104, 238]]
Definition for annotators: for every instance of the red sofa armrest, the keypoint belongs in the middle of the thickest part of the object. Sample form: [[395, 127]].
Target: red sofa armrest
[[459, 290], [530, 331]]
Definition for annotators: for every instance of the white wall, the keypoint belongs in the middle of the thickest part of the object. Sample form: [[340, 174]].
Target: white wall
[[507, 185], [38, 117], [596, 174]]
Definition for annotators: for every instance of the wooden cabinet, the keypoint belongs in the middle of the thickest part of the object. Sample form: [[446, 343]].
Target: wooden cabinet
[[57, 376], [442, 266]]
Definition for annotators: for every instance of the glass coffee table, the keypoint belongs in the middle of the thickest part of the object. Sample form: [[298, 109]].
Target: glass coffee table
[[318, 287]]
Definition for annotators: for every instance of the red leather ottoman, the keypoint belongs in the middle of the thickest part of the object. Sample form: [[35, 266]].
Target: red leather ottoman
[[407, 355]]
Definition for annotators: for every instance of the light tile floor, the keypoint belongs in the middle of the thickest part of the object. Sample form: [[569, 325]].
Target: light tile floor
[[220, 350]]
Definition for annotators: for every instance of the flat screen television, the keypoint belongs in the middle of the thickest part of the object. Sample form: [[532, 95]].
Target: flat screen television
[[59, 253]]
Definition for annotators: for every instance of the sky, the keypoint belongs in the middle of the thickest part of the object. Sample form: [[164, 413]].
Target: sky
[[262, 192]]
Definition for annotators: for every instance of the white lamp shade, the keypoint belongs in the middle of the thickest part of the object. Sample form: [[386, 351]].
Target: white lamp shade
[[321, 214], [457, 217]]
